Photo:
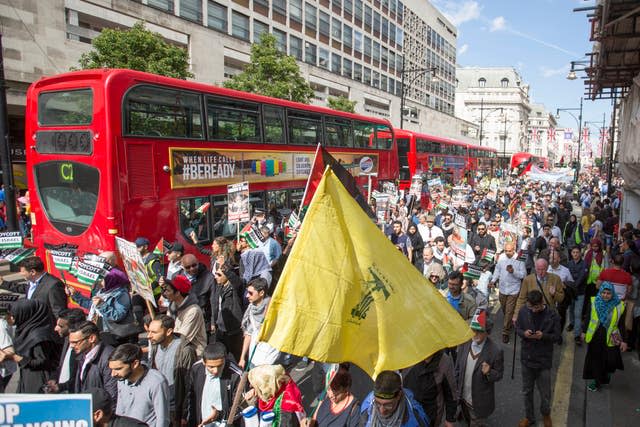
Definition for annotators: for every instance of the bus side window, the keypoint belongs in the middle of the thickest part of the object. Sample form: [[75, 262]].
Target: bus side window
[[338, 132], [273, 118], [363, 132], [304, 128], [195, 219], [155, 111], [383, 137], [233, 120]]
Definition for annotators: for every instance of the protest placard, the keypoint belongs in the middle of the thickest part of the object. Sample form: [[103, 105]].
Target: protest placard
[[238, 203], [46, 410], [136, 270]]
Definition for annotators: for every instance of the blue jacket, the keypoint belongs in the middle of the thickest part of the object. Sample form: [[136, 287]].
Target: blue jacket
[[115, 307], [417, 416]]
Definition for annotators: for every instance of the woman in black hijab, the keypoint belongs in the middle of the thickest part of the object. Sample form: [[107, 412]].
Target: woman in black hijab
[[416, 243], [36, 346]]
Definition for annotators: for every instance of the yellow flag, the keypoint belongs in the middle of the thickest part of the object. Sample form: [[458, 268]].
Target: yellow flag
[[348, 295]]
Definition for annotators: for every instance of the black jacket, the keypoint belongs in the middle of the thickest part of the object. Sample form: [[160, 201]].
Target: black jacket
[[226, 308], [69, 385], [203, 287], [229, 381], [96, 373], [49, 291], [484, 242], [538, 354], [579, 273]]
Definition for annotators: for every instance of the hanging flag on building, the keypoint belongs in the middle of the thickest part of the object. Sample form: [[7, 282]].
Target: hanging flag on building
[[604, 135], [568, 133], [551, 135], [586, 133], [355, 297], [535, 135]]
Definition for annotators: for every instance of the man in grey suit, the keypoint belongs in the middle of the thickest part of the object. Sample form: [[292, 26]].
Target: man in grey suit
[[479, 365], [40, 285]]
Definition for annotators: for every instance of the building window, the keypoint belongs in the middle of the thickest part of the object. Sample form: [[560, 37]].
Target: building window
[[348, 6], [376, 79], [357, 72], [376, 21], [295, 10], [191, 10], [358, 10], [399, 36], [367, 46], [346, 67], [259, 28], [279, 6], [504, 82], [310, 53], [281, 40], [482, 82], [385, 27], [368, 16], [336, 63], [392, 32], [383, 82], [323, 58], [325, 24], [310, 16], [376, 51], [385, 56], [263, 3], [357, 41], [166, 5], [392, 86], [367, 76], [336, 29], [240, 26], [295, 47], [217, 17], [347, 38]]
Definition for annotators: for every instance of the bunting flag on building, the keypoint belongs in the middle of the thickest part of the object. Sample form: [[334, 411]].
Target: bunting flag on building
[[586, 133], [535, 135], [568, 133], [321, 161], [355, 297], [551, 134]]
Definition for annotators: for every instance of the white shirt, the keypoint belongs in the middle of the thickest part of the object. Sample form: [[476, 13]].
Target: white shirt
[[210, 397], [429, 234], [509, 283], [563, 272]]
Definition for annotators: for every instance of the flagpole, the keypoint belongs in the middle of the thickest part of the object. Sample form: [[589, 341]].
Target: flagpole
[[306, 188]]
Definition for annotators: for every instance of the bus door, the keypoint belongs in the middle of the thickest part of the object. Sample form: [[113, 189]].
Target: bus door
[[403, 158]]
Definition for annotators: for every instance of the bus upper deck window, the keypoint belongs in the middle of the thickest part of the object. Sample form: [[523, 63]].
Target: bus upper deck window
[[65, 108]]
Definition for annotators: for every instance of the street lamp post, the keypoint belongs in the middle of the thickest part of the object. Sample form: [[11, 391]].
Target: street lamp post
[[419, 72], [482, 117], [504, 142], [602, 134], [579, 122]]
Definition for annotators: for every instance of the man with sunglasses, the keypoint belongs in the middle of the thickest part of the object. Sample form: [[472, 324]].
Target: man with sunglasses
[[481, 240], [203, 287], [391, 405]]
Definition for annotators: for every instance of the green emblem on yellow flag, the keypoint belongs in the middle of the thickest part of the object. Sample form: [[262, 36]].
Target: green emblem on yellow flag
[[348, 295]]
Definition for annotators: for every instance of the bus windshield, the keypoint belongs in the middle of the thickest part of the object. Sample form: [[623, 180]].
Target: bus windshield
[[69, 194]]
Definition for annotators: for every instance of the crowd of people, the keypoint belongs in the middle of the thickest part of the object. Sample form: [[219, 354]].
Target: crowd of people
[[539, 250]]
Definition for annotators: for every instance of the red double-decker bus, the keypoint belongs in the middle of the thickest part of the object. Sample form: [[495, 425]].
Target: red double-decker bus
[[125, 153], [521, 163], [451, 160]]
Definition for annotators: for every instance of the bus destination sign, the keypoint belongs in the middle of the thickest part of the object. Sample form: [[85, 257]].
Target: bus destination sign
[[64, 142]]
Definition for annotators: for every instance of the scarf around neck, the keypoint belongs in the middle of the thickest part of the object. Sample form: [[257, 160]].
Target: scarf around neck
[[604, 308]]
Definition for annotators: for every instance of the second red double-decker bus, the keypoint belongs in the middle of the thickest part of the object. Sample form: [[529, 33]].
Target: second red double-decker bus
[[125, 153], [521, 163], [451, 160]]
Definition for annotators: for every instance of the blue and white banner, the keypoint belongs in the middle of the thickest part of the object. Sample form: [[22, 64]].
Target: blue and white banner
[[22, 410]]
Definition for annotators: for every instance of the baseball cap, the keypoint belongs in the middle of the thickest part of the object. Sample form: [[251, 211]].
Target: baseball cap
[[141, 241], [181, 284]]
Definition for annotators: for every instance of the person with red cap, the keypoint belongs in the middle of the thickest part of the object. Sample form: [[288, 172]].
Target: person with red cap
[[185, 310]]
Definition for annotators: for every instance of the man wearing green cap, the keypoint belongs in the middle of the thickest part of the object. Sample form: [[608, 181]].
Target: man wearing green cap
[[479, 365]]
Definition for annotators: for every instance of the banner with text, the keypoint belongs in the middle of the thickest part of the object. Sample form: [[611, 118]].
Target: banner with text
[[46, 410], [205, 167]]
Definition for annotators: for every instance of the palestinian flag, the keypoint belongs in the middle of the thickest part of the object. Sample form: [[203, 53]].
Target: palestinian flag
[[253, 236], [89, 274], [442, 206], [522, 255], [320, 162], [203, 209], [11, 240], [62, 259], [293, 224], [479, 320], [471, 272], [488, 255], [159, 249]]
